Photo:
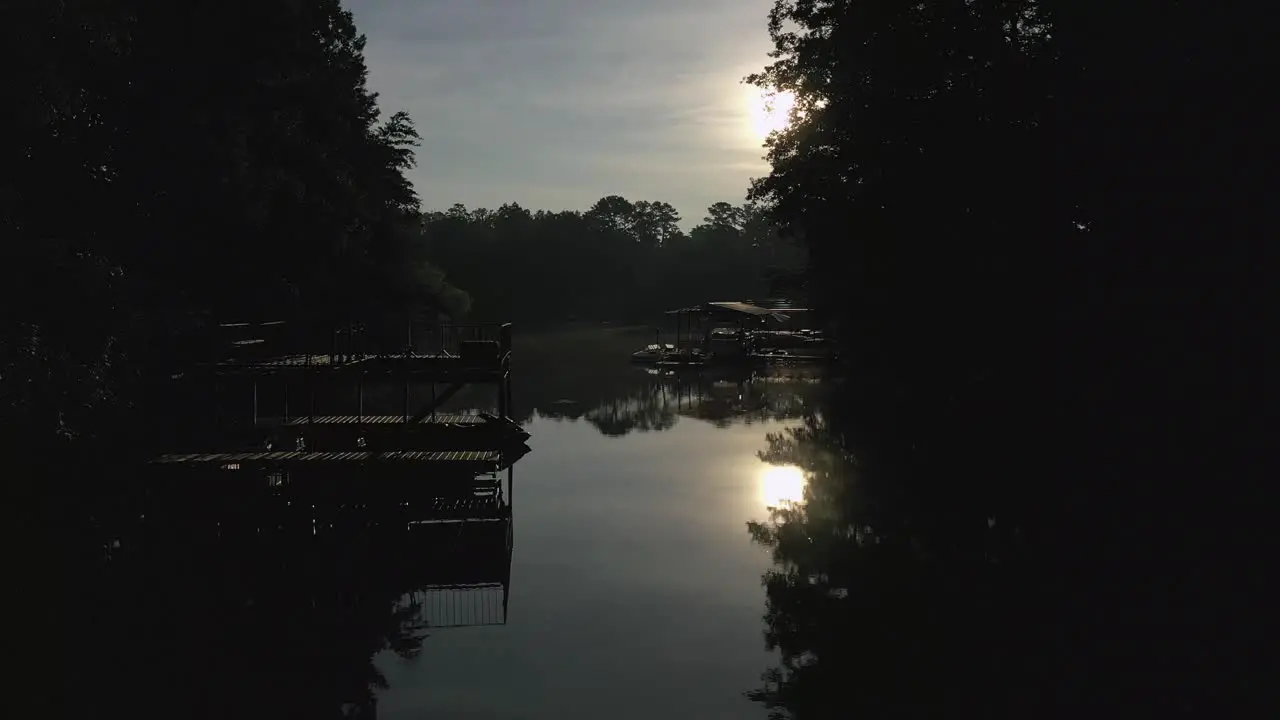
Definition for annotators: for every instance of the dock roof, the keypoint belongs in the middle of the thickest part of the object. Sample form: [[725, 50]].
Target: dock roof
[[727, 308], [741, 307]]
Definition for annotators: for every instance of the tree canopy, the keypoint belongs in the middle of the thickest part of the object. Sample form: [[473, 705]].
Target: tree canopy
[[1008, 177], [617, 261], [223, 163], [914, 170], [1036, 227]]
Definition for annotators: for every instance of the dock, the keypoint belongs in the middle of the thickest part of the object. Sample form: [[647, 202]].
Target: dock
[[313, 453], [383, 420], [735, 332], [253, 356], [442, 367], [438, 467], [273, 347], [279, 458], [399, 432]]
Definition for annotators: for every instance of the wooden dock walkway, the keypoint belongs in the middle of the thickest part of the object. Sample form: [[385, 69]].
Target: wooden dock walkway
[[441, 367], [479, 508], [357, 420], [398, 432], [301, 458], [271, 348], [260, 361]]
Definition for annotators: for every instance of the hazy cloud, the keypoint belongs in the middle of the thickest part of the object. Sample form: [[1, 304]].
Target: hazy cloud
[[553, 103]]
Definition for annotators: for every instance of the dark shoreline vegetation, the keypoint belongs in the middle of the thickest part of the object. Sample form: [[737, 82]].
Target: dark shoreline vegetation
[[1032, 226]]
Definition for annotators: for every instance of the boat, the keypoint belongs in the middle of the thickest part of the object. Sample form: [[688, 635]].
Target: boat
[[686, 356], [795, 344], [727, 344], [653, 353]]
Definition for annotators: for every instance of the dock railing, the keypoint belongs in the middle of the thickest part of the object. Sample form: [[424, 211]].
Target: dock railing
[[443, 339], [310, 344], [252, 341]]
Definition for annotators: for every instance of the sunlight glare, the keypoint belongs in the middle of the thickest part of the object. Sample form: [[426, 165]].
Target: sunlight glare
[[781, 485], [770, 112]]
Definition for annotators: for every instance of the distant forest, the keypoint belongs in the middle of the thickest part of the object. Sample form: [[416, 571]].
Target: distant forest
[[618, 261]]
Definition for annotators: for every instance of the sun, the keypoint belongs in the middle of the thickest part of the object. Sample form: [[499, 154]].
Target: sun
[[781, 485], [770, 111]]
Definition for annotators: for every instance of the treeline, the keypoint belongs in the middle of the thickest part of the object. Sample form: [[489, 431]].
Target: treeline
[[173, 166], [1038, 227], [617, 261]]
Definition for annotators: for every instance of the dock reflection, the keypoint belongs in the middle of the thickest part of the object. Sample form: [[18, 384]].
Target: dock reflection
[[274, 600], [658, 398]]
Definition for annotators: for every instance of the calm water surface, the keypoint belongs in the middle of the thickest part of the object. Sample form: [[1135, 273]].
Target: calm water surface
[[632, 589], [635, 590]]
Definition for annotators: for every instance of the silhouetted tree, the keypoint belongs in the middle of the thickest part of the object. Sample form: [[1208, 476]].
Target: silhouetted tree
[[655, 223], [208, 185], [1033, 276], [618, 261], [914, 173]]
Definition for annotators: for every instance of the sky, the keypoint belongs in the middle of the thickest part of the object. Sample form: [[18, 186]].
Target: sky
[[554, 104]]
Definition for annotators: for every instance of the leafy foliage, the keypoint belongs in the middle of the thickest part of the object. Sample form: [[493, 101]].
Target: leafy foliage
[[1028, 224], [208, 184], [618, 260], [912, 170]]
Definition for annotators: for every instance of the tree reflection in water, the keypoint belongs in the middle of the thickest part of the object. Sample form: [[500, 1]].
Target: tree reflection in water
[[875, 606], [655, 400], [281, 621]]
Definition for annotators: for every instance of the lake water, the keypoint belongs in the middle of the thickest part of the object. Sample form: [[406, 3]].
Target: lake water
[[918, 578], [632, 588], [635, 589]]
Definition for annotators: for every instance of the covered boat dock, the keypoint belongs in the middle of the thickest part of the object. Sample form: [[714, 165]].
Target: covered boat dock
[[736, 330]]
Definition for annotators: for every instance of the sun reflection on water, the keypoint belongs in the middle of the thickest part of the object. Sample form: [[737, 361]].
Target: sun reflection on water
[[781, 485]]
